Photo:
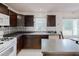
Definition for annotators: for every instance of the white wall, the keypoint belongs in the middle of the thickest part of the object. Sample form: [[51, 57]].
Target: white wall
[[59, 19]]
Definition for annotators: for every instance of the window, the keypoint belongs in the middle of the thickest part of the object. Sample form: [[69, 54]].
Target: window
[[70, 27], [40, 23]]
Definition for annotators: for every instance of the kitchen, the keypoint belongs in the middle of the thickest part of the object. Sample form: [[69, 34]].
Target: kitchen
[[28, 26]]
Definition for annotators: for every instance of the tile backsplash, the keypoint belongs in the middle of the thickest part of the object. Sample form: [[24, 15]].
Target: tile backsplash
[[8, 30], [33, 29]]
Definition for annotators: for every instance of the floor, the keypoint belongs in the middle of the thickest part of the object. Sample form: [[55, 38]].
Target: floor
[[30, 52]]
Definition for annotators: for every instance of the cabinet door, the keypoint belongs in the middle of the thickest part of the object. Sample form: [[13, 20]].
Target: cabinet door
[[28, 42], [32, 42], [20, 20], [36, 43], [51, 20], [29, 20], [13, 18], [19, 44]]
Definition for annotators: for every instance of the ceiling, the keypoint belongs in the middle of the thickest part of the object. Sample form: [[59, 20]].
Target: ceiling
[[44, 7]]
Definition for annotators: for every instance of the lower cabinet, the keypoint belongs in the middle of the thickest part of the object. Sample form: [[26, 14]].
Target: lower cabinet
[[19, 44], [32, 42], [36, 42], [29, 42]]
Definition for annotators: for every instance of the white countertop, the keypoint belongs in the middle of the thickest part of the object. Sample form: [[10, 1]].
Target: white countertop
[[75, 39], [5, 44], [61, 45]]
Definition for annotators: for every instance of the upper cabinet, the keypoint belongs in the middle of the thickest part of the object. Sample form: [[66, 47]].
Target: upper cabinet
[[4, 20], [11, 15], [51, 20], [4, 15], [13, 18], [20, 20], [29, 20], [3, 9]]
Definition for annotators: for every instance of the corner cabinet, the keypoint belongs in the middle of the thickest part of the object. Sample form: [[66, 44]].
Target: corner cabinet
[[51, 20], [29, 20], [19, 44], [13, 18]]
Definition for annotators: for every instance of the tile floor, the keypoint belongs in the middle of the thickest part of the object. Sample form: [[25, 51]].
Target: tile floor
[[30, 52]]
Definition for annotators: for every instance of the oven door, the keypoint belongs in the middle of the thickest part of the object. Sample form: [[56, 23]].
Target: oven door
[[10, 50]]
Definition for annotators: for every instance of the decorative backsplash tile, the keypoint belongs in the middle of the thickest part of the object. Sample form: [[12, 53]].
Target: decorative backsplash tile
[[8, 30]]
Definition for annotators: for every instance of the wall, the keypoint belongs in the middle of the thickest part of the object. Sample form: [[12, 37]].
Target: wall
[[8, 30], [59, 19], [58, 28]]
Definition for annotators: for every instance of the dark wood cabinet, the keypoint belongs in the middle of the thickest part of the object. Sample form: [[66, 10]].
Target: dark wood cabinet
[[20, 20], [28, 42], [51, 20], [4, 9], [13, 18], [29, 20], [32, 42], [36, 42], [19, 43]]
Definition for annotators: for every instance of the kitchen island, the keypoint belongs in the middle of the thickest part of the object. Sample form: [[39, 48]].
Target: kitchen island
[[61, 47]]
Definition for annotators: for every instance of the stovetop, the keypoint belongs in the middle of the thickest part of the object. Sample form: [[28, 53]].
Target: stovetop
[[5, 39], [4, 42]]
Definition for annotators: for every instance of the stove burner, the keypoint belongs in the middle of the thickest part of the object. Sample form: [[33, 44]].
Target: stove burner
[[5, 39], [1, 42]]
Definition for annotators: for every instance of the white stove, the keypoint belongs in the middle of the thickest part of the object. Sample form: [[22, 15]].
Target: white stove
[[7, 46]]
